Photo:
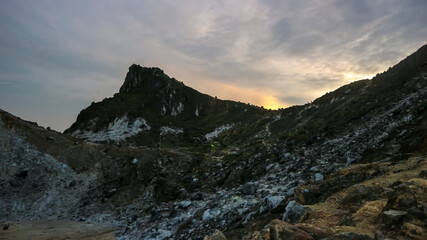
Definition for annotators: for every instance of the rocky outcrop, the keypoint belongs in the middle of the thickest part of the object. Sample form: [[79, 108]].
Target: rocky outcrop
[[142, 78]]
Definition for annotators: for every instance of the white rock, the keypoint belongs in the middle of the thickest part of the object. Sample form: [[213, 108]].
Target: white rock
[[168, 130], [117, 130], [217, 131]]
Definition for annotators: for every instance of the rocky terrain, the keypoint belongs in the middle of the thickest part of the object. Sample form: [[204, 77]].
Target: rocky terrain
[[159, 160]]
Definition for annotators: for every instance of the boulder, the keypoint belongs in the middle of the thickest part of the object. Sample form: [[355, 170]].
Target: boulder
[[295, 212], [393, 218], [274, 201]]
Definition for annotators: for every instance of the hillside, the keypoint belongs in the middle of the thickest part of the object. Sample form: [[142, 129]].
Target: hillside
[[160, 160]]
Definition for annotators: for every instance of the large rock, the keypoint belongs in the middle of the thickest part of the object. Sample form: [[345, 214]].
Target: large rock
[[280, 230], [273, 202], [393, 218], [295, 212]]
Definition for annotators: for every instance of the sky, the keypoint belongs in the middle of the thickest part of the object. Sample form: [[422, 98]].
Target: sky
[[58, 56]]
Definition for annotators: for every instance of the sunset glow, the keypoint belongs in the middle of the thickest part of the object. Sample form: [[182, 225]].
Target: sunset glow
[[269, 102]]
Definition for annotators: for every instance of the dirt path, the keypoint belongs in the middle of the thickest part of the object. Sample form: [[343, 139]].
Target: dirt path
[[43, 230]]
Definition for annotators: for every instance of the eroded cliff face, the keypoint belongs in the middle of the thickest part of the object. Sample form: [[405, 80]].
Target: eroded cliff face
[[162, 161]]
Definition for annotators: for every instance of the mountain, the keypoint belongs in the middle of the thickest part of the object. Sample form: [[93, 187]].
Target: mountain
[[159, 160], [150, 105]]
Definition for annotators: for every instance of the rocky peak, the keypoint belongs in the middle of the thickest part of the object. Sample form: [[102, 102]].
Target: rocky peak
[[141, 78], [159, 104]]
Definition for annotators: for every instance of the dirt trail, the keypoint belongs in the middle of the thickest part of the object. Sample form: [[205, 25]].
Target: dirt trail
[[43, 230]]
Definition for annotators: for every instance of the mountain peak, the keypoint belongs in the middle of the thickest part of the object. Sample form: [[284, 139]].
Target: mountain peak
[[140, 77], [163, 105]]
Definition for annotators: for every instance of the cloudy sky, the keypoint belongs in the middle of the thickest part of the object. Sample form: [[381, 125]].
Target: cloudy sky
[[59, 56]]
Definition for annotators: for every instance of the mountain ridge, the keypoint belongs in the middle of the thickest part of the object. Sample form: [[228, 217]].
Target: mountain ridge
[[149, 92]]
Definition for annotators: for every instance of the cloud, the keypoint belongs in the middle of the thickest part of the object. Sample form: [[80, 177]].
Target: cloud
[[60, 56]]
